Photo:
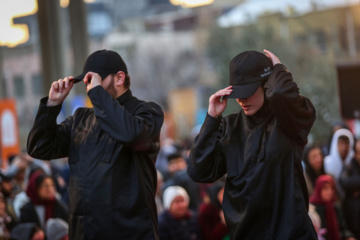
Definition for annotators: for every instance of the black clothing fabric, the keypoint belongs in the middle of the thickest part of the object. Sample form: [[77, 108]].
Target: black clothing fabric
[[171, 228], [29, 214], [350, 181], [343, 228], [23, 231], [265, 192], [112, 150]]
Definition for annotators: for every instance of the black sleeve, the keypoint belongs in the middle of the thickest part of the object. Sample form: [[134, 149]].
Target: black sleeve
[[48, 140], [295, 113], [115, 120], [206, 162]]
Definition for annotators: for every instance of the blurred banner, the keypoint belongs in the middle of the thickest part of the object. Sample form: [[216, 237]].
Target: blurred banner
[[9, 131]]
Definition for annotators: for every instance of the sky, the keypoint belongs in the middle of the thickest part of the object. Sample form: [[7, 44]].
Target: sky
[[12, 35], [250, 9]]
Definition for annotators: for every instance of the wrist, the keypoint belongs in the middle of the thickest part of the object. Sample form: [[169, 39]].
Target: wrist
[[51, 103], [215, 116]]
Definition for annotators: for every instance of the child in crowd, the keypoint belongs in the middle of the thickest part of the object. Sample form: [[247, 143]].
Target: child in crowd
[[211, 216], [324, 200], [177, 222]]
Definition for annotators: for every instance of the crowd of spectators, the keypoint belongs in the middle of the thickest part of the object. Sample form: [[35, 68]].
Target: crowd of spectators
[[34, 194]]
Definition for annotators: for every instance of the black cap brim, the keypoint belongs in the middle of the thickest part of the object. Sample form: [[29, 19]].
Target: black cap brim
[[80, 77], [244, 90]]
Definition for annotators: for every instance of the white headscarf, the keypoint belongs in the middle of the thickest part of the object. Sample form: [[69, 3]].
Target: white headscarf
[[333, 164]]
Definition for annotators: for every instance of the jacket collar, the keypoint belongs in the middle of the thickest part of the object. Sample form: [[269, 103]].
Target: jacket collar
[[124, 97]]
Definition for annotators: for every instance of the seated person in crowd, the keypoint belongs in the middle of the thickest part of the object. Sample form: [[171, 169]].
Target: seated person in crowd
[[341, 153], [27, 231], [177, 221], [330, 212], [42, 205], [211, 216], [179, 177], [313, 159], [57, 229], [350, 181]]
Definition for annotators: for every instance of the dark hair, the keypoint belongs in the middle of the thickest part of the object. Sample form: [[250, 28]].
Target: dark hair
[[127, 81], [344, 138], [308, 169], [173, 156]]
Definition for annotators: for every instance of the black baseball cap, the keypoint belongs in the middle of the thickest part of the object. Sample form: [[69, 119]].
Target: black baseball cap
[[102, 62], [247, 71]]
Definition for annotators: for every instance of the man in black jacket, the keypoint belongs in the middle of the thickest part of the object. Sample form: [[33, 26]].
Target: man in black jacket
[[260, 149], [112, 149]]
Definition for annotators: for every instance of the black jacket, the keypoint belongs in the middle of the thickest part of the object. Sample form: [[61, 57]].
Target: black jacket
[[28, 213], [265, 193], [112, 150]]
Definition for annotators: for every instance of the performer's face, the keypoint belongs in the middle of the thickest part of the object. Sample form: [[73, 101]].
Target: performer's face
[[253, 103]]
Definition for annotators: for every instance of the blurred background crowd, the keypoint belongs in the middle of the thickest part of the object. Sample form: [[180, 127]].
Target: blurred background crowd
[[177, 52]]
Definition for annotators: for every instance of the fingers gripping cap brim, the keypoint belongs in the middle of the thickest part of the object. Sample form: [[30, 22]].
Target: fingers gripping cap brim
[[244, 91], [80, 77]]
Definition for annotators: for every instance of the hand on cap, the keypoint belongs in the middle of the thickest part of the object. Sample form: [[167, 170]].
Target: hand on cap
[[274, 59], [92, 80], [216, 104], [59, 91]]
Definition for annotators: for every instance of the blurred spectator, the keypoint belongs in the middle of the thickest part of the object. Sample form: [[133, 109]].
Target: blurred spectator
[[27, 231], [211, 217], [315, 218], [177, 221], [350, 181], [5, 220], [158, 196], [336, 125], [330, 212], [61, 174], [43, 204], [341, 153], [6, 188], [22, 198], [167, 147], [179, 177], [57, 229], [17, 170], [313, 158]]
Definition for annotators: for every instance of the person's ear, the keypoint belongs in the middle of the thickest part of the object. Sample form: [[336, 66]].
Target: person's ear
[[119, 78]]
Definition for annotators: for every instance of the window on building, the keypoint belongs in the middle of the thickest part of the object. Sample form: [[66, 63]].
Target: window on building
[[37, 84], [19, 86]]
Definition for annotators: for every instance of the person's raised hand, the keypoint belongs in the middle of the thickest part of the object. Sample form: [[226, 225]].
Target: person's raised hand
[[217, 105], [274, 59], [59, 91], [92, 80]]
